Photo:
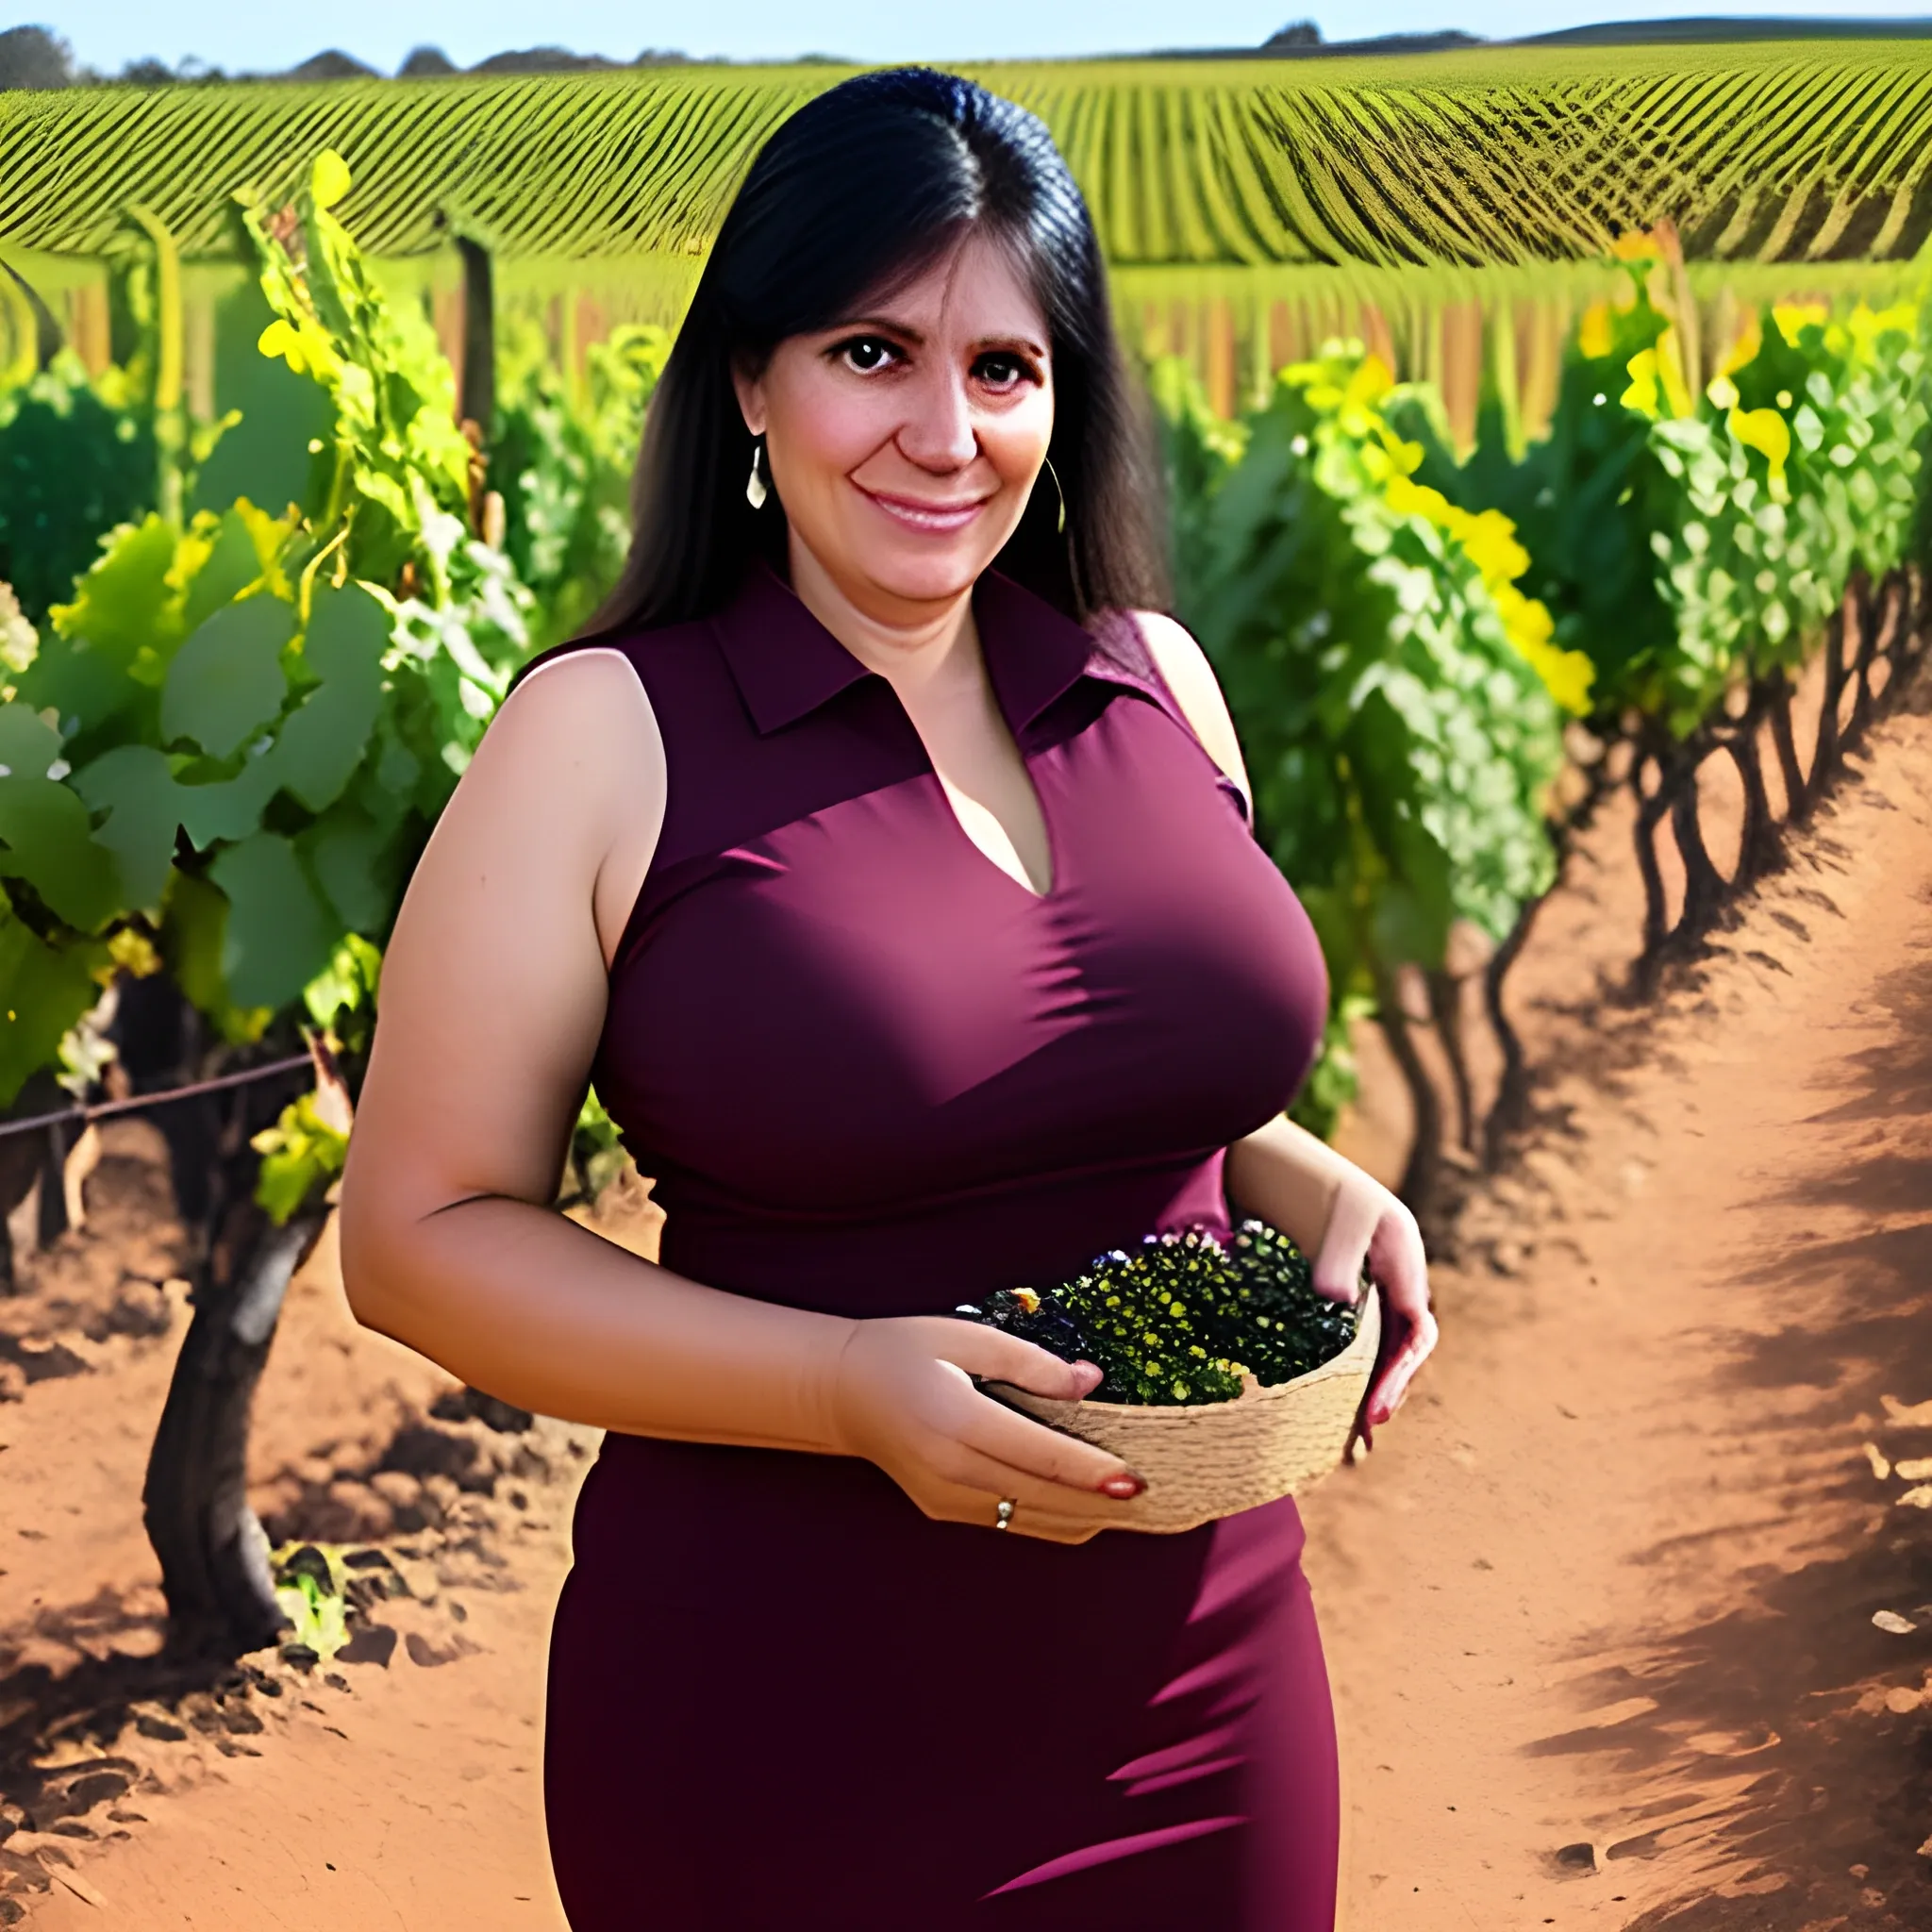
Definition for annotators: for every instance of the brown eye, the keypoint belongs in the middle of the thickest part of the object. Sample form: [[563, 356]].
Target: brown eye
[[1002, 372], [866, 353]]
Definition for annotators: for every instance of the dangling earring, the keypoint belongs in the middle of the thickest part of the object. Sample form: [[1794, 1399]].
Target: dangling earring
[[755, 491], [1062, 525]]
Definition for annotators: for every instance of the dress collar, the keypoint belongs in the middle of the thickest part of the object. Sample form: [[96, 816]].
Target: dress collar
[[786, 664]]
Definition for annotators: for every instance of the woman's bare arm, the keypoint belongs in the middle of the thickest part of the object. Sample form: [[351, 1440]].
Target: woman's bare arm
[[492, 1000]]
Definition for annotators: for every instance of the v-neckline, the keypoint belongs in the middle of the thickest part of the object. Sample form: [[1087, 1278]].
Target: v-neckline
[[993, 684], [1039, 896]]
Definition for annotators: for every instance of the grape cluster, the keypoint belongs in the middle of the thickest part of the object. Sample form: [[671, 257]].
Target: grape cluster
[[1183, 1318]]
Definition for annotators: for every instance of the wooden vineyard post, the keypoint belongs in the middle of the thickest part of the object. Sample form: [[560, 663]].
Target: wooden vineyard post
[[47, 336], [476, 398]]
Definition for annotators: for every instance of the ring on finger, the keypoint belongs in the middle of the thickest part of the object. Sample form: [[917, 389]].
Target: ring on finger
[[1004, 1515]]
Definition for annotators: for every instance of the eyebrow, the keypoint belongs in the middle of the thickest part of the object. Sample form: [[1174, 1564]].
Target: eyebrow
[[917, 337]]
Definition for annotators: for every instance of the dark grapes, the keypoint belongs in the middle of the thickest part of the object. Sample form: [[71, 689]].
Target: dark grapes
[[1182, 1317]]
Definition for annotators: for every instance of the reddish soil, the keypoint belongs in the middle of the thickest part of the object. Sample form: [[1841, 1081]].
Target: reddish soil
[[1599, 1608]]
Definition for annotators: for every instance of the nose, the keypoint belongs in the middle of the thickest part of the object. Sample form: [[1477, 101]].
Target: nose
[[938, 432]]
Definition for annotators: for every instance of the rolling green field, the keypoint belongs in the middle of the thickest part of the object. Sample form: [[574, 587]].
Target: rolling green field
[[1795, 153], [1455, 210]]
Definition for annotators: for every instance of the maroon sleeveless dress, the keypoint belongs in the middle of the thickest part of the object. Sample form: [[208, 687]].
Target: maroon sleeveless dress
[[874, 1074]]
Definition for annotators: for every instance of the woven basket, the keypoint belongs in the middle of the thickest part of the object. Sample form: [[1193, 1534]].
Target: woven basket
[[1213, 1459]]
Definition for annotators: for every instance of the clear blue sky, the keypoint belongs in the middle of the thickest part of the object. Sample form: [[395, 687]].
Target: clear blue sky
[[108, 33]]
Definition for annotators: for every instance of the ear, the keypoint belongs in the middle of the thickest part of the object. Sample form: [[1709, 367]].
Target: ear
[[751, 397]]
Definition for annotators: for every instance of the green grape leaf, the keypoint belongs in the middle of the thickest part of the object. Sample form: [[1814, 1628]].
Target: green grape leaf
[[230, 808], [350, 857], [350, 979], [50, 843], [280, 935], [135, 786], [85, 688], [233, 564], [227, 681], [322, 743], [43, 990], [193, 937], [28, 744], [300, 1156], [124, 606]]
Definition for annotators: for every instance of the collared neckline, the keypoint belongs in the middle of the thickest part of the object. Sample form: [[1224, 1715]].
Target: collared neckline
[[787, 664]]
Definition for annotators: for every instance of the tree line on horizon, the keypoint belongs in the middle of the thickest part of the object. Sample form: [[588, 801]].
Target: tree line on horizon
[[36, 58]]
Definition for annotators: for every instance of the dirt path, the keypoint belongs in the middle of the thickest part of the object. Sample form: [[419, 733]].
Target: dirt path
[[399, 1791], [1600, 1613], [1599, 1609]]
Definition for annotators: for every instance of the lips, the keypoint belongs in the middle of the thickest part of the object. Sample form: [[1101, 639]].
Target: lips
[[916, 513]]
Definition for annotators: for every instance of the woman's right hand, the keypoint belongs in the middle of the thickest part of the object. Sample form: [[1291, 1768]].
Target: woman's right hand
[[902, 1397]]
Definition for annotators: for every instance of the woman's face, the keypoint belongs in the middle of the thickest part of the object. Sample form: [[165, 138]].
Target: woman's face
[[904, 444]]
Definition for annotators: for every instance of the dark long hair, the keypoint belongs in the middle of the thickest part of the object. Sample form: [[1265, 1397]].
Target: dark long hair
[[853, 196]]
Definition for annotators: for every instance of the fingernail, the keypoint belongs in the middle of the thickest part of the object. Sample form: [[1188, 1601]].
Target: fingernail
[[1125, 1487], [1091, 1374]]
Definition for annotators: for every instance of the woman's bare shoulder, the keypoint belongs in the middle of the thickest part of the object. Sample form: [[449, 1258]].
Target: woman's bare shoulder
[[588, 680], [573, 764], [1189, 677], [572, 713]]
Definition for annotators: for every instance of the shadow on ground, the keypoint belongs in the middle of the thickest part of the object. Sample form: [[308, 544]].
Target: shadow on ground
[[60, 1773], [1789, 1749]]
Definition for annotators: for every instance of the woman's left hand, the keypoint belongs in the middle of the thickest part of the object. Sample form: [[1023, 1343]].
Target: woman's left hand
[[1367, 1223]]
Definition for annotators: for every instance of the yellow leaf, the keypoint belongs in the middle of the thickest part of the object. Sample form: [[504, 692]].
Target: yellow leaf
[[1793, 318], [1867, 325], [1745, 349], [1372, 382], [1595, 334], [330, 180], [1670, 369], [1565, 674], [1642, 394], [134, 953], [1768, 433]]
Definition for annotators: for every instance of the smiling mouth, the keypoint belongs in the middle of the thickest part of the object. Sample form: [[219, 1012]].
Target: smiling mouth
[[937, 519]]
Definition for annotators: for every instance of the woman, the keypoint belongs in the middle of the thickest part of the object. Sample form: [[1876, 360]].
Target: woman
[[884, 860]]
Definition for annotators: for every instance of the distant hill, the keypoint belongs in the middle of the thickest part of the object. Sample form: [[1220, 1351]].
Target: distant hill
[[1445, 41], [1304, 41], [1709, 30], [331, 64]]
